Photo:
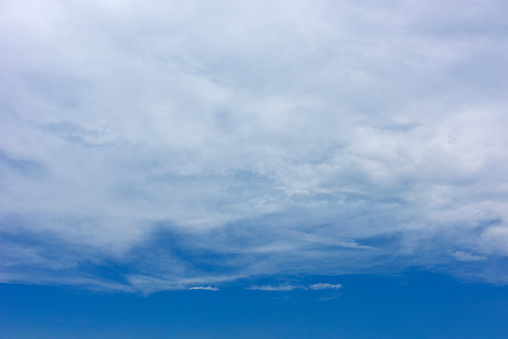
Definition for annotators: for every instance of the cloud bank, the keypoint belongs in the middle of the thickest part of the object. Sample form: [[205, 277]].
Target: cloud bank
[[168, 144]]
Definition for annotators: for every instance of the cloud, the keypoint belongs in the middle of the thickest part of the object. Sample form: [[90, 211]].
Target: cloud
[[325, 286], [279, 288], [289, 287], [204, 288], [160, 145], [467, 257]]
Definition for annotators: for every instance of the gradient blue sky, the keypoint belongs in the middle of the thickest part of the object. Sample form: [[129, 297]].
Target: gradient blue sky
[[179, 148]]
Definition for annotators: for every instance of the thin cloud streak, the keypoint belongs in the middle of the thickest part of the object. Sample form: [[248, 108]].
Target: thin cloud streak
[[204, 288], [289, 287], [273, 288]]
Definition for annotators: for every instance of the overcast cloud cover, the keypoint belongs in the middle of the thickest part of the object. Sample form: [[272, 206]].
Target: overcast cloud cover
[[173, 144]]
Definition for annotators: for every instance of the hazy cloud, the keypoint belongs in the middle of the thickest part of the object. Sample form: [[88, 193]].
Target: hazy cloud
[[463, 256], [275, 288]]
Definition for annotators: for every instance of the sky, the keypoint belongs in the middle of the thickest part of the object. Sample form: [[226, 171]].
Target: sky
[[365, 307], [179, 148]]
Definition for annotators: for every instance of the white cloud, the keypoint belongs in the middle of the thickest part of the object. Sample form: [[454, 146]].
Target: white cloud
[[204, 288], [193, 144], [325, 286]]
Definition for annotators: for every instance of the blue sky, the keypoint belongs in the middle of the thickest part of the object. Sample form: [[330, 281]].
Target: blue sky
[[195, 147], [413, 305]]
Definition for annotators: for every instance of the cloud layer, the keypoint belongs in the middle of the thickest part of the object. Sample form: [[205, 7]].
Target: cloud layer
[[166, 145]]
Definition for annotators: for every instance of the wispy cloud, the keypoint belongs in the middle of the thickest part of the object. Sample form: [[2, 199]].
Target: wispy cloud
[[204, 288], [275, 288], [467, 257], [162, 145], [289, 287]]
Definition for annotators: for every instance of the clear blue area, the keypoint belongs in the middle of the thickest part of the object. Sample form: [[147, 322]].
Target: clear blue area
[[415, 305]]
